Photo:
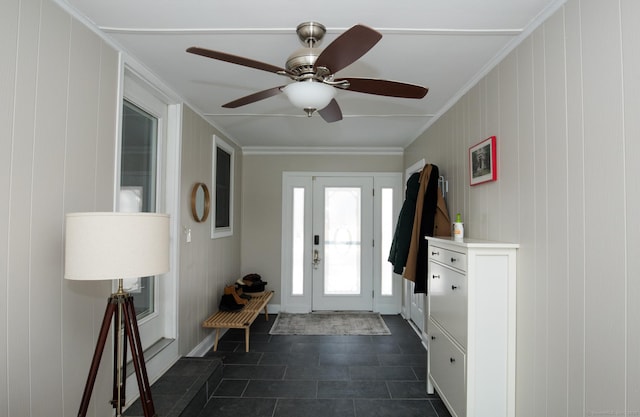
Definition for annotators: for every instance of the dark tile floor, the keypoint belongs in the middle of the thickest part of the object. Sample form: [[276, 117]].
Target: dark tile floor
[[308, 376]]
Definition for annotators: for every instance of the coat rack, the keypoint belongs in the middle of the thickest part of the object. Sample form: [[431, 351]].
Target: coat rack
[[444, 186]]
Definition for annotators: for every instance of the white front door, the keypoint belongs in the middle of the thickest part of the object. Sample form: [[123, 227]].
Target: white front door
[[342, 247], [336, 234]]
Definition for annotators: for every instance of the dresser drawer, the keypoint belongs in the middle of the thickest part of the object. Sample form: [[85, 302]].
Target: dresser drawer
[[448, 300], [448, 257], [447, 370]]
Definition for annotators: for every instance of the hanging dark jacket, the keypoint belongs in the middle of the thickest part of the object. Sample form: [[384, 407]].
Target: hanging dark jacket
[[402, 236]]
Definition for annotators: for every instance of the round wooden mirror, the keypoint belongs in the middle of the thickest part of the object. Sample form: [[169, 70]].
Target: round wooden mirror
[[200, 202]]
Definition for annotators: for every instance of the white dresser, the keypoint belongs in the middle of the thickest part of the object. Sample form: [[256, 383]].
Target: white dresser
[[471, 324]]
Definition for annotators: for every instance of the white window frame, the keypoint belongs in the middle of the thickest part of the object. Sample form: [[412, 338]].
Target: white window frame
[[136, 84]]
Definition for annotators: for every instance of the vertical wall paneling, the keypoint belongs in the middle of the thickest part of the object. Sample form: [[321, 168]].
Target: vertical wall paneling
[[540, 201], [51, 81], [526, 300], [459, 178], [107, 125], [82, 118], [84, 302], [472, 205], [569, 109], [8, 50], [604, 207], [557, 214], [20, 197], [59, 112], [493, 223], [630, 31], [48, 208], [508, 155], [206, 264], [575, 208], [477, 213]]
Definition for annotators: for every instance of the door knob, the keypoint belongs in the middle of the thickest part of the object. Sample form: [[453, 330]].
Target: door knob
[[316, 258]]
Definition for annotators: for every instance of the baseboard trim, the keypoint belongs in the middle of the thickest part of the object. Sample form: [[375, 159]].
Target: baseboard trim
[[206, 345]]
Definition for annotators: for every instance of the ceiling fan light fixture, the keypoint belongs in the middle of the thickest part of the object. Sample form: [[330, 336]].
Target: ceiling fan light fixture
[[310, 95]]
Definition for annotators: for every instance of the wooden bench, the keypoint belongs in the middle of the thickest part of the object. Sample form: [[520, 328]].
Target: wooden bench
[[239, 319]]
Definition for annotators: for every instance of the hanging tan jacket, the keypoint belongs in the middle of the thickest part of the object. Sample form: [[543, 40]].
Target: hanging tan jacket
[[441, 225]]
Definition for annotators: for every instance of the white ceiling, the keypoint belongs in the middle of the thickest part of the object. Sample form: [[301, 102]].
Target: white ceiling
[[445, 45]]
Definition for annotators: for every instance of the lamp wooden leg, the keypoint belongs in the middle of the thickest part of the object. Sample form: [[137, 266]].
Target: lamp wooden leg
[[97, 356], [124, 304], [137, 357], [119, 348]]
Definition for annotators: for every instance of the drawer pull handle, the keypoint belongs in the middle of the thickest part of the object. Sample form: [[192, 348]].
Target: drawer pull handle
[[454, 287], [433, 338], [436, 276], [452, 360], [435, 253], [453, 260]]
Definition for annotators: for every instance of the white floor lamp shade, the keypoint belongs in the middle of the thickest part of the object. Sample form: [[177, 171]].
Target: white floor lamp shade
[[102, 246]]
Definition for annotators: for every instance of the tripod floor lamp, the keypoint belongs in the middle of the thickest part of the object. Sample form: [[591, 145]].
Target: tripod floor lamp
[[107, 246]]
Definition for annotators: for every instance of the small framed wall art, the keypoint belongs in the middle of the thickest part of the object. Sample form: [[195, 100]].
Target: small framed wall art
[[482, 162]]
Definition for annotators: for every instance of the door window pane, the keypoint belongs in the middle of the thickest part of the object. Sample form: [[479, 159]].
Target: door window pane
[[342, 241]]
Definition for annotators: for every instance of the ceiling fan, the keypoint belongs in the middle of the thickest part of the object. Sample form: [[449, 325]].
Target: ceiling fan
[[313, 70]]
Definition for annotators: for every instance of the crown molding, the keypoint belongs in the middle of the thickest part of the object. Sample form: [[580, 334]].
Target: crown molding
[[297, 150]]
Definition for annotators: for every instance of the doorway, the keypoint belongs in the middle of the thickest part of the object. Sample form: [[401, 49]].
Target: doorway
[[337, 231]]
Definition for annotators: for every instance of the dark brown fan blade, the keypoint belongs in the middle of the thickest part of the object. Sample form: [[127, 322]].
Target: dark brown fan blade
[[347, 48], [332, 112], [385, 87], [252, 98], [234, 59]]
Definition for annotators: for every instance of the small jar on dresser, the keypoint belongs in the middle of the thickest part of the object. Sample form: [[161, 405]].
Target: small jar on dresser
[[471, 326]]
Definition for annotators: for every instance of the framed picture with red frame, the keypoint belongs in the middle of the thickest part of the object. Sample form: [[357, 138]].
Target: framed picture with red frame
[[483, 162]]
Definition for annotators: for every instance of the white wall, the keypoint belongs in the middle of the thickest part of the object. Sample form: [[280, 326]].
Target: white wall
[[58, 102], [206, 264], [564, 106]]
